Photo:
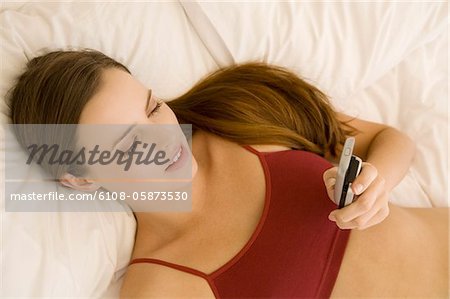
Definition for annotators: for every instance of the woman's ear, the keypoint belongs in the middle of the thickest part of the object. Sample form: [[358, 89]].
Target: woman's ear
[[80, 184]]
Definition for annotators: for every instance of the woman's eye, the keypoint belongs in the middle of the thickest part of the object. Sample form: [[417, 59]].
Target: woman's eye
[[156, 109]]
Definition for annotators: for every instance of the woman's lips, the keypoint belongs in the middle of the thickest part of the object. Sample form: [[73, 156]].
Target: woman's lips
[[180, 162]]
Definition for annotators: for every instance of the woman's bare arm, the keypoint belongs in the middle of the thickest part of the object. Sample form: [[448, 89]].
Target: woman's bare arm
[[388, 149], [387, 153]]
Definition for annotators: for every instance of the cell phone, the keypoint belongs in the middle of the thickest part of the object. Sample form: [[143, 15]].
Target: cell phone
[[349, 168]]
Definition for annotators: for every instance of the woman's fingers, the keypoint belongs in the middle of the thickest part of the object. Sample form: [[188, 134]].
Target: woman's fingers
[[374, 216], [377, 218], [365, 178], [364, 219], [329, 178], [330, 173], [369, 208], [363, 203]]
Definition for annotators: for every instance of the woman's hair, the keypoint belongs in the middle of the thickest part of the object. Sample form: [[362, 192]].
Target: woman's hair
[[53, 89], [259, 103], [248, 103], [56, 86]]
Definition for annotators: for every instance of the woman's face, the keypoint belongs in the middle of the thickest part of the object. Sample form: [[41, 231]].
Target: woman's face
[[125, 115]]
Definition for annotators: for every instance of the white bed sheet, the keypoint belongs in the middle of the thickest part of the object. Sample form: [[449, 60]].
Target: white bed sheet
[[385, 62], [341, 46], [373, 63], [413, 97]]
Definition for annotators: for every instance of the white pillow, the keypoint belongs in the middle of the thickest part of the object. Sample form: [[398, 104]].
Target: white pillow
[[81, 253], [155, 40]]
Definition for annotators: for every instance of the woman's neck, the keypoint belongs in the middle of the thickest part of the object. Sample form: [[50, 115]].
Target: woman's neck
[[157, 228]]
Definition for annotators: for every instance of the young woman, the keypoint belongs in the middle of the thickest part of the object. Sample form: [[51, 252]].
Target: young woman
[[263, 221]]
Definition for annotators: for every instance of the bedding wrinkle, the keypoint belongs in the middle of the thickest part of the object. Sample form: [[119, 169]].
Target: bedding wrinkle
[[207, 33]]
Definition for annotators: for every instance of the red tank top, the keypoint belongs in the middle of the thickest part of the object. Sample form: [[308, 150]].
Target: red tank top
[[295, 250]]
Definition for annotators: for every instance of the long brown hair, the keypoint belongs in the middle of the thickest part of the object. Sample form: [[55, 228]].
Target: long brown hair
[[259, 103], [248, 103]]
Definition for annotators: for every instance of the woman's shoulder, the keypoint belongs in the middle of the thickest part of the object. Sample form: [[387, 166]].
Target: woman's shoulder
[[269, 147], [214, 138]]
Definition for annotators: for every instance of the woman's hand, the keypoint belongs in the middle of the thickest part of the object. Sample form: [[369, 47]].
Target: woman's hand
[[370, 206]]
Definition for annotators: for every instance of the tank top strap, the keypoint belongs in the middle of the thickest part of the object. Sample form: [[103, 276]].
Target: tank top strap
[[181, 268], [169, 265], [251, 149]]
